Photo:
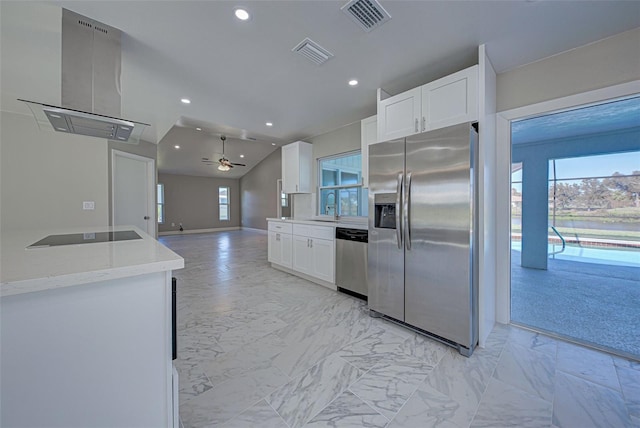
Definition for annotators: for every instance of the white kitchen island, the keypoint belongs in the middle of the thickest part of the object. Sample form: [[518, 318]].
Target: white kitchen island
[[86, 336]]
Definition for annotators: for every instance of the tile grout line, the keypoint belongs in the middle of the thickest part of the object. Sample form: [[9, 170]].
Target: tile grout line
[[475, 413]]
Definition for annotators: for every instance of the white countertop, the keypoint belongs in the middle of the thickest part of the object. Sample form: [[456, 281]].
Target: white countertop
[[26, 270], [350, 224]]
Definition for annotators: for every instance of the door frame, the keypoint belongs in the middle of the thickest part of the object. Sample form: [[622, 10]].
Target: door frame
[[503, 175], [151, 192]]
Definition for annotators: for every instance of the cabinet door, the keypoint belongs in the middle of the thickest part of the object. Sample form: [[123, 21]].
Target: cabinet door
[[301, 260], [274, 248], [450, 100], [399, 116], [323, 259], [286, 244], [296, 167], [290, 178], [368, 136]]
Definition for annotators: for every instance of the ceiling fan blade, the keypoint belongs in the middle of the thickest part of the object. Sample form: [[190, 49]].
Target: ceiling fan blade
[[237, 164]]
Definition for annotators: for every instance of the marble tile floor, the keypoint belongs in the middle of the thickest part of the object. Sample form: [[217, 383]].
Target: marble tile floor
[[261, 348]]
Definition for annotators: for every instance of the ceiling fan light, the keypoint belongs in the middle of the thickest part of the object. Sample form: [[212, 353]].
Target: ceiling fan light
[[222, 167]]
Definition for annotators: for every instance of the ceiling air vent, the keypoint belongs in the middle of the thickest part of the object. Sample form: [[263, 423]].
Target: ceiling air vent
[[368, 14], [313, 51]]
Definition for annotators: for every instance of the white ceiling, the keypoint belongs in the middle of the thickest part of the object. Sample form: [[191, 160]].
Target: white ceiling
[[240, 75]]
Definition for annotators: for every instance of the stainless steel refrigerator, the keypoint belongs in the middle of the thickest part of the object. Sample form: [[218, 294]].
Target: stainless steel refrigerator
[[422, 260]]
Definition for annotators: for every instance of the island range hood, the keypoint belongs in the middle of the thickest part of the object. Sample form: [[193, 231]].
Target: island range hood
[[91, 66]]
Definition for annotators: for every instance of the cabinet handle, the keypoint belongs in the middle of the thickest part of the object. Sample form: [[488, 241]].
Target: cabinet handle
[[416, 124], [311, 240], [424, 123]]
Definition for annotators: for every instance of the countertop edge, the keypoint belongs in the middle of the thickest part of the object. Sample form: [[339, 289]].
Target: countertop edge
[[345, 224], [12, 288]]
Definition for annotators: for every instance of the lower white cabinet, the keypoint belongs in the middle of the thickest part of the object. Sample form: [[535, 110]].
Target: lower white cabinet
[[280, 248], [303, 248], [314, 257], [279, 243], [302, 254], [323, 259]]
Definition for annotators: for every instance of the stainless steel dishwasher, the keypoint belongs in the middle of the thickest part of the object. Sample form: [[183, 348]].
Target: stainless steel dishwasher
[[351, 261]]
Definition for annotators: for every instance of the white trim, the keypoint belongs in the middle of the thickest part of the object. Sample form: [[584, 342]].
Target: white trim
[[487, 188], [150, 163], [503, 172], [189, 232]]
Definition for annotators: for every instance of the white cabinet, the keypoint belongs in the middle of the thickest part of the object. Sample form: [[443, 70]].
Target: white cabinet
[[447, 101], [280, 244], [314, 252], [296, 167], [303, 248], [323, 259], [399, 116], [450, 100], [302, 254], [368, 136]]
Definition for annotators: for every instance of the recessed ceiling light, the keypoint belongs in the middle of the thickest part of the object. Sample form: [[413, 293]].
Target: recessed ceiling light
[[176, 146], [353, 82], [242, 14], [273, 144], [269, 124], [198, 129], [241, 156], [185, 101]]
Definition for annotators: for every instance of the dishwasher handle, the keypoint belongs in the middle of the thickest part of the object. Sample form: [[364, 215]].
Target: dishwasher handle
[[357, 235]]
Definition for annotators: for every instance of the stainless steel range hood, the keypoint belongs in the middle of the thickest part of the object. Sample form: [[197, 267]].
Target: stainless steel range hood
[[79, 122], [91, 64]]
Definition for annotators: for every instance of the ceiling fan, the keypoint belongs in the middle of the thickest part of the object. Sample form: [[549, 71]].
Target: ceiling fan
[[223, 163]]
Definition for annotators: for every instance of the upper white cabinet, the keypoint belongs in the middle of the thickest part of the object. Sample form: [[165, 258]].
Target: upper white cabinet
[[450, 100], [296, 167], [399, 116], [368, 136], [447, 101]]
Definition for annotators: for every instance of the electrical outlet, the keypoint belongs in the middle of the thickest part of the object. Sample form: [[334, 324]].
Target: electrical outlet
[[88, 205], [173, 225]]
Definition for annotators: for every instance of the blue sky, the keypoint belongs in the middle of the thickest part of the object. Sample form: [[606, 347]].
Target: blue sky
[[596, 166]]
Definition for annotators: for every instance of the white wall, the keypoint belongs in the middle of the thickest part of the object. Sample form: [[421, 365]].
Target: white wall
[[607, 62], [45, 177]]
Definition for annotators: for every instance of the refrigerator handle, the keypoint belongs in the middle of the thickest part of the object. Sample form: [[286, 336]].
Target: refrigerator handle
[[405, 212], [398, 207]]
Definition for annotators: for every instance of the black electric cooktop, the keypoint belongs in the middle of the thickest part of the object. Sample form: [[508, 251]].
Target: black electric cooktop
[[85, 238]]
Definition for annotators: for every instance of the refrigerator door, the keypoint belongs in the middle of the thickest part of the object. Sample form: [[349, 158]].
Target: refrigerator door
[[385, 265], [439, 294]]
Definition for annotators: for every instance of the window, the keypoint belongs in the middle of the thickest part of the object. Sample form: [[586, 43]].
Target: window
[[223, 203], [160, 199], [340, 185], [284, 199]]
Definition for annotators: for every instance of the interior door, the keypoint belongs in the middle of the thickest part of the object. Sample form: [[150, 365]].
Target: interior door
[[133, 191], [438, 269], [385, 253]]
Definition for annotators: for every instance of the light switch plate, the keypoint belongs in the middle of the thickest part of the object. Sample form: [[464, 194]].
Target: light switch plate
[[88, 205]]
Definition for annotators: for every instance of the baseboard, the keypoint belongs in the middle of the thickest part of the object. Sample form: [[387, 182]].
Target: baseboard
[[254, 229], [305, 276], [190, 231]]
